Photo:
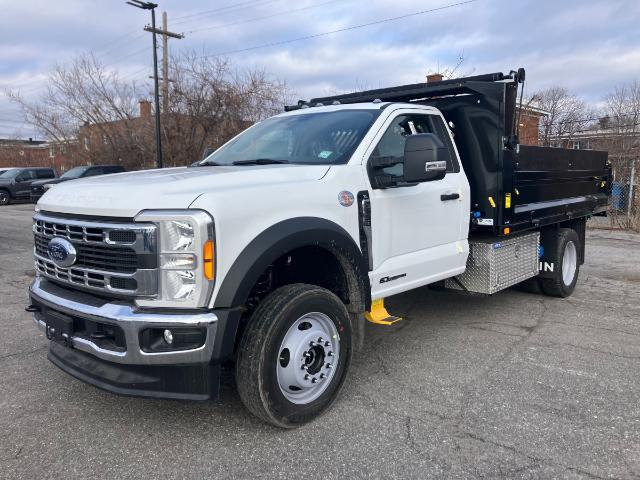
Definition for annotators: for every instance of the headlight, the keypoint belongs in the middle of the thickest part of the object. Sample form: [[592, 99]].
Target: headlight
[[186, 266], [48, 186]]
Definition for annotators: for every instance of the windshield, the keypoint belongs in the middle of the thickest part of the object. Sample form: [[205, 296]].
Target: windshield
[[322, 138], [10, 173], [74, 173]]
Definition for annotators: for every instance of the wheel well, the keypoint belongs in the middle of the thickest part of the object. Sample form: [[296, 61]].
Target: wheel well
[[548, 235], [323, 266]]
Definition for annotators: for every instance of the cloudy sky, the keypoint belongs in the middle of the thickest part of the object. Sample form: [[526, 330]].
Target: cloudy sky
[[585, 45]]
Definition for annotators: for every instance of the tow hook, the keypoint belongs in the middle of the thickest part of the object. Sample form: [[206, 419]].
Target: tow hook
[[32, 308]]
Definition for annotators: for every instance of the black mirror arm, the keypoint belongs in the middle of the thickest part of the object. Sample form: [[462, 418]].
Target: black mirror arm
[[389, 181], [384, 162]]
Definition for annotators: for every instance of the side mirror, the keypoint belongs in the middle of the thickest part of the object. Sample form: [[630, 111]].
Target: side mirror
[[207, 151], [424, 158]]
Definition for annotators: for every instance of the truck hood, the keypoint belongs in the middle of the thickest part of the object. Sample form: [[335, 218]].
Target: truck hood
[[126, 194]]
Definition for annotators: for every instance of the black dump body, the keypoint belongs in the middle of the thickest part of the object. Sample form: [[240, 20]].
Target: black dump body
[[515, 186]]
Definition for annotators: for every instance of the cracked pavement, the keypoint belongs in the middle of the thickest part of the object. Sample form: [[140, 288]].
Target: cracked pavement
[[516, 385]]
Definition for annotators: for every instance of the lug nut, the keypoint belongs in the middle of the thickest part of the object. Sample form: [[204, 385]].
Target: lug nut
[[306, 354], [329, 365], [312, 343], [320, 339], [306, 376], [326, 344], [322, 375], [314, 380], [330, 354], [303, 367]]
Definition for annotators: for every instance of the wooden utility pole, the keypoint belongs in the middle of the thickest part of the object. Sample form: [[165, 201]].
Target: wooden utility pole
[[165, 64], [165, 57]]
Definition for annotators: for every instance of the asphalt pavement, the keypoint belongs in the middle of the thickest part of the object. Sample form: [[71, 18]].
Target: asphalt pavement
[[516, 385]]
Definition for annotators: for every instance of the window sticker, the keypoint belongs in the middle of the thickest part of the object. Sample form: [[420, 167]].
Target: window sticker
[[325, 154]]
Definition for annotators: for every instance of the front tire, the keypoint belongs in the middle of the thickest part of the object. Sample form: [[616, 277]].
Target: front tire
[[5, 197], [567, 265], [294, 355]]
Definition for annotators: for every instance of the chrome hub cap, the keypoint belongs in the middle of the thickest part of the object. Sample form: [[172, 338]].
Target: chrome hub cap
[[569, 263], [307, 355]]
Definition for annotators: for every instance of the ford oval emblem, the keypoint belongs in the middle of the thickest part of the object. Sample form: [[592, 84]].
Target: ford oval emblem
[[345, 198], [61, 252]]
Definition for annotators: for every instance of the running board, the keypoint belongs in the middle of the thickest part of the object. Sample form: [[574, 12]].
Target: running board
[[379, 315]]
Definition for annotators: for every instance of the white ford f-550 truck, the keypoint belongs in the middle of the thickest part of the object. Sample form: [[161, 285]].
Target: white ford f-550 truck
[[270, 253]]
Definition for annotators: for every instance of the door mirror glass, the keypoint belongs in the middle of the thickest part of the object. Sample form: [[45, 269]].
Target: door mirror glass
[[424, 158]]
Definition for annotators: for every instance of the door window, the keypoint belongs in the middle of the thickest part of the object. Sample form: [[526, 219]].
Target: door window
[[93, 171], [25, 175], [391, 145], [44, 174]]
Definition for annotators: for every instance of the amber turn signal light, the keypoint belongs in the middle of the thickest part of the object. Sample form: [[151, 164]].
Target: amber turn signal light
[[207, 256]]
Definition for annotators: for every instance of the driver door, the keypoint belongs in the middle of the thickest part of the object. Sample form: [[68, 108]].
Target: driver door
[[419, 232], [23, 183]]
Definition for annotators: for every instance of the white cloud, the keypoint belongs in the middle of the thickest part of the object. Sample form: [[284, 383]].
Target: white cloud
[[585, 46]]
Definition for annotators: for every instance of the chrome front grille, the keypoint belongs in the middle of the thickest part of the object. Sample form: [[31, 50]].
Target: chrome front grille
[[70, 231], [101, 257], [117, 258]]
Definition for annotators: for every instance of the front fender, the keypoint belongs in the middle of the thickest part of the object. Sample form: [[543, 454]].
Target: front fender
[[276, 241]]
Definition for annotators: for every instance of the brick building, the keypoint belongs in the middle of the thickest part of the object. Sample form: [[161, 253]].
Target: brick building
[[530, 124], [39, 153], [94, 137]]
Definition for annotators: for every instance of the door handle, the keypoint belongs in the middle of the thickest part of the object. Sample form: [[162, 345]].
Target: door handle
[[449, 196]]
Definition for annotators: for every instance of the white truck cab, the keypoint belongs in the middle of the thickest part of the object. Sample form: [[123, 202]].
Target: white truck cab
[[269, 253]]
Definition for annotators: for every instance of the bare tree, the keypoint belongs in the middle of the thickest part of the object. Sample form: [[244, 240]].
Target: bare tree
[[97, 110], [567, 115], [211, 102], [622, 107], [622, 140], [449, 72]]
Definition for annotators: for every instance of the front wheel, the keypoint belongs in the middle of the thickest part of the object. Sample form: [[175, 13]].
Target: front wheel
[[294, 355], [5, 197]]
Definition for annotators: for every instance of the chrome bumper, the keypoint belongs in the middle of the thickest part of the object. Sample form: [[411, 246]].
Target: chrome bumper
[[130, 320]]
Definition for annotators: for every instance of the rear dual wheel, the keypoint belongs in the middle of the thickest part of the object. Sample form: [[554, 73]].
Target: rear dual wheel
[[564, 255], [294, 355], [566, 265]]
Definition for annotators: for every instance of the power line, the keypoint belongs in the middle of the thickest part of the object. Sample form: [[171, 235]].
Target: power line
[[339, 30], [95, 52], [264, 17], [237, 6], [140, 35], [592, 119]]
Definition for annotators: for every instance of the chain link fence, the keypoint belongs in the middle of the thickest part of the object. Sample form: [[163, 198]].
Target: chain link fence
[[624, 207]]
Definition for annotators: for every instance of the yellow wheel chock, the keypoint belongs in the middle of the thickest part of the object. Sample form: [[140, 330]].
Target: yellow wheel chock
[[379, 314]]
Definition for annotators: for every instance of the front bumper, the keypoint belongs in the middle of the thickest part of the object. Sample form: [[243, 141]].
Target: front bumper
[[124, 366]]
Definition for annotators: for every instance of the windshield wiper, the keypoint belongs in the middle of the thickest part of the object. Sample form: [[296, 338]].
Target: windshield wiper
[[260, 161], [205, 164]]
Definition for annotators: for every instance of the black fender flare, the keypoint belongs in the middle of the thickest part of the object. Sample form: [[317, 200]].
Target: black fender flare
[[281, 238]]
